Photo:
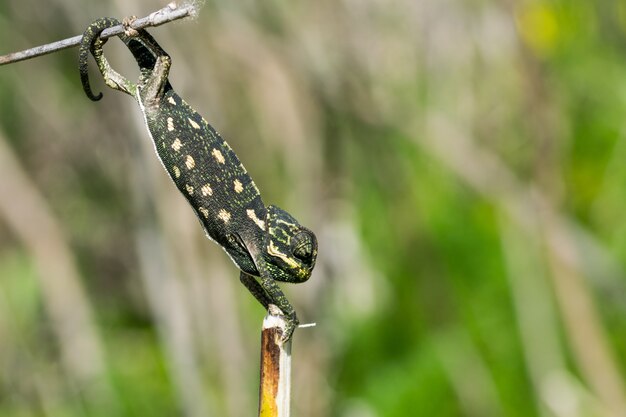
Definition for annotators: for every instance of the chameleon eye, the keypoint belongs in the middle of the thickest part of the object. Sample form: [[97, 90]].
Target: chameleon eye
[[304, 246]]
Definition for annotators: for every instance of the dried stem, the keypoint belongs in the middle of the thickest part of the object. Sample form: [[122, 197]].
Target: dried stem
[[275, 388], [167, 14]]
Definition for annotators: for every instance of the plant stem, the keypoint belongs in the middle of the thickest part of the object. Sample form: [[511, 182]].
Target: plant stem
[[275, 387]]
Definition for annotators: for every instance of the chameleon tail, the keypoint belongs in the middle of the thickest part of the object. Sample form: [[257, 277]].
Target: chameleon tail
[[91, 36]]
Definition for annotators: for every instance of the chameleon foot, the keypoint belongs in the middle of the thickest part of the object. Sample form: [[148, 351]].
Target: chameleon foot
[[291, 322], [128, 29]]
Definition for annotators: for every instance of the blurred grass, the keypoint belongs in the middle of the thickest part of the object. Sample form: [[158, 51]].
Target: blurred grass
[[460, 161]]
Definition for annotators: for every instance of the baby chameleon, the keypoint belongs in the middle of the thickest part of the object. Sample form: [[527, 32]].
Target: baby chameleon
[[265, 242]]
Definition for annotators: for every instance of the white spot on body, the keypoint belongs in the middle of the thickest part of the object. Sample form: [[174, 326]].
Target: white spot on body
[[218, 156], [193, 124], [204, 212], [206, 190], [224, 216], [238, 186], [189, 189], [190, 162], [252, 215], [171, 100], [170, 124], [242, 167], [176, 171], [256, 188], [177, 145]]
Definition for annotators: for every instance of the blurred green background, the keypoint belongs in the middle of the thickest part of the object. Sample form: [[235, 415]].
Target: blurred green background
[[463, 164]]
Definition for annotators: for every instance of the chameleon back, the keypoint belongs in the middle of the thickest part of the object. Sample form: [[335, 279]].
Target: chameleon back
[[208, 173]]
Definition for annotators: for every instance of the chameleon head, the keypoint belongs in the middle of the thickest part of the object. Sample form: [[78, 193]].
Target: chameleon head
[[290, 249]]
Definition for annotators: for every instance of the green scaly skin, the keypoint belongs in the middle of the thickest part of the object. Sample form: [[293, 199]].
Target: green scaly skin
[[266, 243]]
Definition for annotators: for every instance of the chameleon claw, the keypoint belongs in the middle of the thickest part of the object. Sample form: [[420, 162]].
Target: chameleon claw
[[128, 29], [291, 322]]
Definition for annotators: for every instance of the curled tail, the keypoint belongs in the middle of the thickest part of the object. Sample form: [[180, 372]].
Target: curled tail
[[90, 36]]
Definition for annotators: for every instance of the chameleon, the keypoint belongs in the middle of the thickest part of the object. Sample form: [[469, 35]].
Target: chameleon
[[266, 243]]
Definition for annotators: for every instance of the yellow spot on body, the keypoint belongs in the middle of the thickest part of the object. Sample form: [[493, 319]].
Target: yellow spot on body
[[193, 124], [176, 171], [238, 186], [190, 162], [204, 212], [206, 190], [218, 155], [252, 215], [189, 189], [170, 124], [224, 216], [177, 145], [171, 100]]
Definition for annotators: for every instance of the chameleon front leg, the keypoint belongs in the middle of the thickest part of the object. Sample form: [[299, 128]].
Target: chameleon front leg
[[268, 292], [255, 289], [277, 297]]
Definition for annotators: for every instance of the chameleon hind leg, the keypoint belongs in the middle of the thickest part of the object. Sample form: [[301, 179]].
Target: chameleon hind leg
[[111, 77], [91, 42], [149, 55], [155, 83]]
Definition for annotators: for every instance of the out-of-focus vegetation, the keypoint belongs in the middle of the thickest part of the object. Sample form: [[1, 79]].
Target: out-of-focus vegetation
[[462, 162]]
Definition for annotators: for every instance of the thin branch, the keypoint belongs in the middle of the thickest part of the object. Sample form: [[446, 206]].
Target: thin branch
[[167, 14]]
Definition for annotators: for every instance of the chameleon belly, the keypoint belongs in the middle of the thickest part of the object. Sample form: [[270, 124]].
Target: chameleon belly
[[206, 170]]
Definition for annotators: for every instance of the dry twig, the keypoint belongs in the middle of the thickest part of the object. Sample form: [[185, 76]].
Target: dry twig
[[167, 14]]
